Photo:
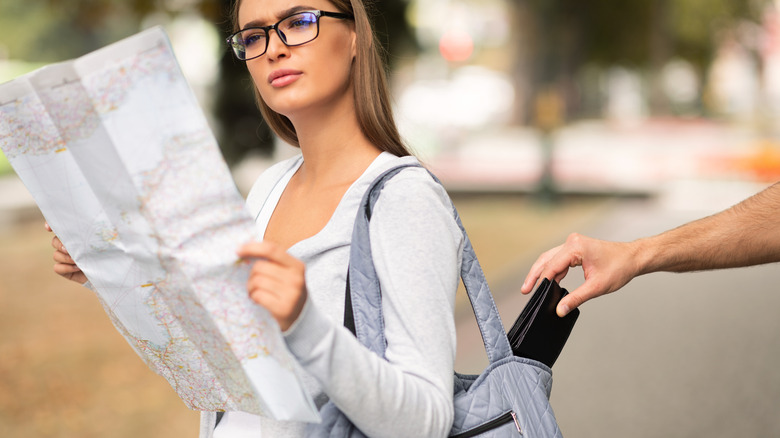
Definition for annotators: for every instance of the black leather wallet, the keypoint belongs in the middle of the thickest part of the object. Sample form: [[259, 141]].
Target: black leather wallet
[[539, 333]]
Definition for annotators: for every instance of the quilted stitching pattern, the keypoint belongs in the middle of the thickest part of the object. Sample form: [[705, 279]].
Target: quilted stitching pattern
[[367, 305], [509, 383], [488, 319], [479, 398]]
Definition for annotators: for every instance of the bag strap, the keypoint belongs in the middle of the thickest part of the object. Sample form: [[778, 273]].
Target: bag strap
[[367, 305]]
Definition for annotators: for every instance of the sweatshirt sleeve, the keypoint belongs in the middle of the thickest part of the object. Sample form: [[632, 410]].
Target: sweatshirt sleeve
[[416, 248]]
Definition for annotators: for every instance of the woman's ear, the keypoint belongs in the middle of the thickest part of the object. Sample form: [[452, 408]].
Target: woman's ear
[[354, 44]]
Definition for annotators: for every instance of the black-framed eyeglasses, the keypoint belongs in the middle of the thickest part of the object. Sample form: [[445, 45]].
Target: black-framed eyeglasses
[[295, 30]]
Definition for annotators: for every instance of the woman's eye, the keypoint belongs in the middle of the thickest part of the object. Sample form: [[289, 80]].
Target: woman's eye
[[254, 38], [299, 24]]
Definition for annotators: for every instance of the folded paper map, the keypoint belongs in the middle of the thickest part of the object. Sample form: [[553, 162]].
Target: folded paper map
[[116, 151]]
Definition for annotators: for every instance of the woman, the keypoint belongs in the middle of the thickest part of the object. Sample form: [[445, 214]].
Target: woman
[[320, 85]]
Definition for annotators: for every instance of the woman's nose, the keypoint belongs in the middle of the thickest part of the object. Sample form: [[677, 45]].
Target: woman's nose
[[276, 46]]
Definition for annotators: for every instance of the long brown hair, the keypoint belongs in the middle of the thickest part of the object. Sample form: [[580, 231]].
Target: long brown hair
[[372, 97]]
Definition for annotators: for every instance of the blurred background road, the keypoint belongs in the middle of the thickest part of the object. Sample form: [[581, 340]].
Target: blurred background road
[[616, 120], [673, 354], [670, 354]]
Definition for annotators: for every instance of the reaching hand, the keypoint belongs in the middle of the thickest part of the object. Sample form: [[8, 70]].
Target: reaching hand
[[607, 266], [65, 266], [276, 281]]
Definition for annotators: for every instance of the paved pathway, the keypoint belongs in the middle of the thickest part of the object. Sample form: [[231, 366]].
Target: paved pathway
[[681, 355]]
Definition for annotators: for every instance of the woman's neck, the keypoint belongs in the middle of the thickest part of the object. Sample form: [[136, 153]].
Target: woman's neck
[[334, 148]]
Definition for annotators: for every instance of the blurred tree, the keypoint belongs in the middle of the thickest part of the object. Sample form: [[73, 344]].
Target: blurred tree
[[567, 35], [568, 39], [55, 30], [241, 130]]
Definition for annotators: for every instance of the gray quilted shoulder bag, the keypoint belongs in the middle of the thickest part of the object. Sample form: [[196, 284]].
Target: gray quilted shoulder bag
[[510, 397]]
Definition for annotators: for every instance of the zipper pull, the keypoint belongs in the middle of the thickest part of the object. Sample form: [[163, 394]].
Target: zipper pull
[[517, 425]]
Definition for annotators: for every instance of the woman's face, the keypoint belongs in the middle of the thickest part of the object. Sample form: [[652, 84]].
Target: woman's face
[[312, 76]]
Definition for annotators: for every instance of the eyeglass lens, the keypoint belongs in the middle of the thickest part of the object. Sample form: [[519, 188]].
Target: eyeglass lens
[[293, 31]]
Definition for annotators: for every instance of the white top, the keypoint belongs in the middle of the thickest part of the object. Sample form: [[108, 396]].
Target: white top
[[416, 247]]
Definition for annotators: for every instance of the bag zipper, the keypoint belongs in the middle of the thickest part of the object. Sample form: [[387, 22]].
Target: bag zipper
[[492, 424]]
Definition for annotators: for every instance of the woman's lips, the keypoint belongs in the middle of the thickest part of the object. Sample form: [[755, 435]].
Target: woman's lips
[[281, 78]]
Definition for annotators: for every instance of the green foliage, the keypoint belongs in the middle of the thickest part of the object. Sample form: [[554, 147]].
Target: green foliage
[[55, 30], [568, 37], [698, 24], [5, 167], [49, 31], [637, 32]]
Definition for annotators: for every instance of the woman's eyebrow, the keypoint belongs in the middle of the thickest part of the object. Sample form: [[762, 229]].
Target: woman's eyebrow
[[279, 15]]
